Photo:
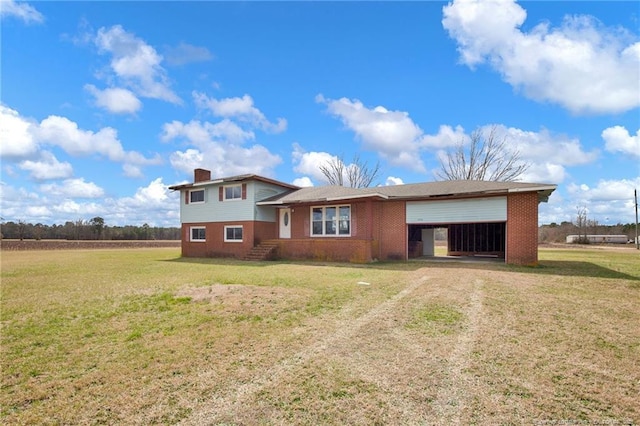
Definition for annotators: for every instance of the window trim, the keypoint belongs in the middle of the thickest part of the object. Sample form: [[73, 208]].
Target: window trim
[[197, 240], [324, 220], [226, 240], [224, 193], [203, 196]]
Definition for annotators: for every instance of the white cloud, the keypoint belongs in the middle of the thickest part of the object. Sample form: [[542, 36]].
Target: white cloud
[[391, 181], [62, 132], [219, 149], [392, 134], [309, 163], [115, 100], [15, 133], [546, 154], [73, 188], [445, 138], [25, 140], [135, 63], [201, 134], [187, 161], [241, 109], [131, 171], [549, 64], [47, 167], [618, 139], [20, 10], [303, 182], [185, 53], [608, 199]]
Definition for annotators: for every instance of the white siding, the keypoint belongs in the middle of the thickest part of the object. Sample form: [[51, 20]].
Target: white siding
[[492, 209]]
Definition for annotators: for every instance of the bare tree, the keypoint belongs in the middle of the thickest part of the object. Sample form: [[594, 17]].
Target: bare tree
[[486, 158], [581, 223], [357, 174]]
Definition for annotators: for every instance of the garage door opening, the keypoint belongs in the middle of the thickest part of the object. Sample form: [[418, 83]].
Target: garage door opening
[[481, 240]]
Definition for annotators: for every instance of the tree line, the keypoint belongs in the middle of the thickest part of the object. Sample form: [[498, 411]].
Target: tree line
[[93, 229], [557, 233]]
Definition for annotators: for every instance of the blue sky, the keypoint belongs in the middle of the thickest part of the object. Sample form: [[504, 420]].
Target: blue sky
[[105, 104]]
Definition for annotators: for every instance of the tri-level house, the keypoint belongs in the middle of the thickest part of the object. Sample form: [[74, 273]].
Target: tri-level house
[[254, 217]]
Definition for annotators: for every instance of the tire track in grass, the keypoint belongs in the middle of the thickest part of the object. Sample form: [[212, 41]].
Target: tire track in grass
[[227, 405], [453, 396]]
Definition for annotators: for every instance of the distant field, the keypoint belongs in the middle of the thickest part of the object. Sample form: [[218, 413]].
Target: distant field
[[121, 336], [83, 244]]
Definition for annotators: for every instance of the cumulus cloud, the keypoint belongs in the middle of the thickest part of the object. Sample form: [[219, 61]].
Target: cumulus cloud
[[185, 53], [392, 134], [309, 163], [201, 133], [617, 139], [21, 10], [115, 100], [218, 147], [15, 133], [609, 198], [27, 141], [546, 154], [136, 64], [303, 182], [446, 137], [62, 132], [241, 109], [73, 188], [580, 65], [47, 167], [391, 181]]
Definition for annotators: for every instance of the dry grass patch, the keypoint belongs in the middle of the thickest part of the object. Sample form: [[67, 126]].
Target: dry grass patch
[[143, 337]]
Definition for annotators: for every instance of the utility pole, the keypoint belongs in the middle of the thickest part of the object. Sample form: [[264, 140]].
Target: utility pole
[[635, 196]]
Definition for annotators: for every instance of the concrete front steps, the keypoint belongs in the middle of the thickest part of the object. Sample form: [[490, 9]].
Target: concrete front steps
[[263, 251]]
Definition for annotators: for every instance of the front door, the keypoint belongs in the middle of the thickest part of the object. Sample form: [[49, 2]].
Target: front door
[[285, 223]]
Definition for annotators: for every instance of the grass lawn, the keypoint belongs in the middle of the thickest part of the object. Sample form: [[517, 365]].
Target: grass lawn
[[122, 336]]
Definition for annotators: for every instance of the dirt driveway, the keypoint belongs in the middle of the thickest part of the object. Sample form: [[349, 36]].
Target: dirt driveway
[[451, 347]]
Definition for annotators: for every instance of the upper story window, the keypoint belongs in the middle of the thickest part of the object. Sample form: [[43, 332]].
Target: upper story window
[[196, 196], [331, 221], [233, 192]]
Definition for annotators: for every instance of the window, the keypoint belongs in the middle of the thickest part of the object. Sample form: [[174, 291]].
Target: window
[[198, 233], [233, 234], [233, 192], [196, 196], [334, 220]]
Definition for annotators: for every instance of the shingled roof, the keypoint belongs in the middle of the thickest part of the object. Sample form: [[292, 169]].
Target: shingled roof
[[443, 189]]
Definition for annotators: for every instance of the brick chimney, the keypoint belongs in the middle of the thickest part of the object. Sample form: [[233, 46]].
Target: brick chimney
[[201, 175]]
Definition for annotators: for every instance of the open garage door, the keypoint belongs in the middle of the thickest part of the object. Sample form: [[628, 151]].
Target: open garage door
[[475, 227]]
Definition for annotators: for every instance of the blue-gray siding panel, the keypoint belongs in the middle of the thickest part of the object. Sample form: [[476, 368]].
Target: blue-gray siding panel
[[213, 210]]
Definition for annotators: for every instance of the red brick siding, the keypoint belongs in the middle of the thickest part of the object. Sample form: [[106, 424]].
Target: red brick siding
[[356, 248], [522, 229], [215, 246], [264, 231], [392, 230], [201, 175], [328, 248]]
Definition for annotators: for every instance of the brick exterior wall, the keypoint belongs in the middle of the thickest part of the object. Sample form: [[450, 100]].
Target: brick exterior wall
[[392, 230], [215, 246], [357, 248], [378, 231], [522, 229]]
